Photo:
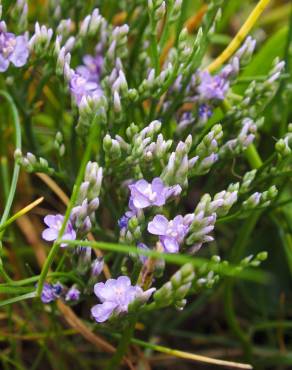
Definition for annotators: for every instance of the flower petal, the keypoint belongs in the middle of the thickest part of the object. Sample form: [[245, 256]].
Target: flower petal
[[20, 53], [158, 225], [50, 234], [4, 64], [101, 312], [170, 244]]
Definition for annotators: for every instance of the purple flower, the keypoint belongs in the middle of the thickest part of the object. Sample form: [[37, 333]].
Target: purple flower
[[132, 212], [123, 222], [205, 112], [80, 87], [73, 294], [91, 68], [115, 296], [144, 194], [212, 87], [54, 223], [51, 292], [171, 233], [13, 49]]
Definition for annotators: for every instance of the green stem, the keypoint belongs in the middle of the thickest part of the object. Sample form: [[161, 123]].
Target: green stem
[[182, 17], [255, 162], [92, 137], [11, 194], [178, 259], [19, 298], [123, 344], [253, 157], [5, 177], [167, 25], [232, 319], [154, 44], [237, 252], [17, 127]]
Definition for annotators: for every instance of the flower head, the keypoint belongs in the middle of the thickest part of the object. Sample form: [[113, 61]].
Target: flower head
[[171, 233], [115, 296], [51, 292], [73, 294], [212, 87], [144, 194], [81, 87], [54, 223], [91, 68], [13, 49], [123, 222]]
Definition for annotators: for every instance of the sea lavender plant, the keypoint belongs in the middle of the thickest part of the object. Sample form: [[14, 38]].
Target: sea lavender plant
[[163, 149]]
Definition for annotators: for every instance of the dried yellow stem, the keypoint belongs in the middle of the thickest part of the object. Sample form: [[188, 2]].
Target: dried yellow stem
[[239, 37]]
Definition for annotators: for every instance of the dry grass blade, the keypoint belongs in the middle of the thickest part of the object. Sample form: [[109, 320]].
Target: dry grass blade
[[54, 187], [193, 357], [239, 37], [21, 212]]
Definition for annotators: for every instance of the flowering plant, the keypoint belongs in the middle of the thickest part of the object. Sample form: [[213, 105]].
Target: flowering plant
[[171, 157]]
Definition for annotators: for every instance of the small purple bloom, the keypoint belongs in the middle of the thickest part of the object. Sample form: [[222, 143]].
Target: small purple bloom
[[13, 49], [171, 233], [73, 294], [91, 68], [205, 112], [54, 223], [115, 296], [51, 292], [132, 212], [123, 222], [97, 266], [80, 87], [186, 119], [144, 194], [212, 87]]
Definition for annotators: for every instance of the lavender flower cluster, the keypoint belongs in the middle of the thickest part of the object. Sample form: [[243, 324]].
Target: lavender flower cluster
[[155, 137]]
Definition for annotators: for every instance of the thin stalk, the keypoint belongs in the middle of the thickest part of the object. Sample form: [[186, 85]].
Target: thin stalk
[[5, 176], [92, 137], [240, 36], [232, 319], [15, 118], [238, 248], [192, 356], [186, 355], [19, 298], [166, 25], [181, 19], [281, 92], [20, 213], [123, 344], [253, 157], [153, 44], [13, 185], [178, 259]]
